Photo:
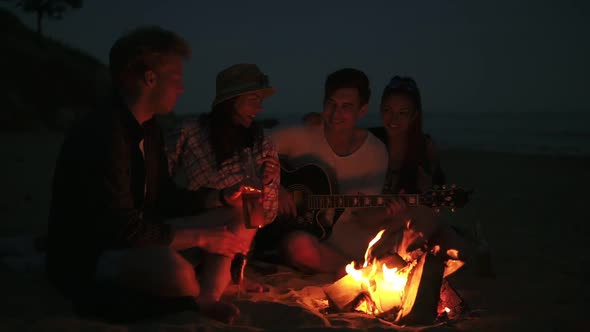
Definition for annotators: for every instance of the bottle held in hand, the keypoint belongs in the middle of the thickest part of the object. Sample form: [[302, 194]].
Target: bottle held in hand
[[252, 192], [238, 265]]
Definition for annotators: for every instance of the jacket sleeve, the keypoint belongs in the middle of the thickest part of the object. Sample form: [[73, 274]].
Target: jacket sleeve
[[111, 203]]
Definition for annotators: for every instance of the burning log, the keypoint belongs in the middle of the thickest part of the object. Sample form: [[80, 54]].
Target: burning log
[[423, 292], [364, 303], [393, 289], [451, 302], [343, 293]]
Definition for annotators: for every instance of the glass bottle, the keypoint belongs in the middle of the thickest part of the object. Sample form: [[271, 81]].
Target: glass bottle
[[252, 192]]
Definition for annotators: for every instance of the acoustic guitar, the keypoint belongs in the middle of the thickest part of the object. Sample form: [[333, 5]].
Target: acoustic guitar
[[313, 194]]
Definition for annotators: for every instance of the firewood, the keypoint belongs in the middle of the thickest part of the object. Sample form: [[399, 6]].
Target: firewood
[[450, 298], [393, 260], [342, 293], [422, 292]]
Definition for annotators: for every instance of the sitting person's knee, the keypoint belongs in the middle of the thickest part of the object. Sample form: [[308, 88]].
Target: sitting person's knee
[[300, 247], [236, 223], [160, 268], [180, 276]]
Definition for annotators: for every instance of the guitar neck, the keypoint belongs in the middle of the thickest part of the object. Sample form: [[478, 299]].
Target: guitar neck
[[317, 202]]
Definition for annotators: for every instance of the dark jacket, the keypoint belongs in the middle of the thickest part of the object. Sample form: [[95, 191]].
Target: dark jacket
[[98, 200]]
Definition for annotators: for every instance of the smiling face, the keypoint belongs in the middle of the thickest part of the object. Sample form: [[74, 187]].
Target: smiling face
[[247, 106], [397, 113], [342, 109]]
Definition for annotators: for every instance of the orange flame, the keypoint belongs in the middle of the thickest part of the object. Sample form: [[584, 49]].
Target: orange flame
[[384, 287], [393, 280]]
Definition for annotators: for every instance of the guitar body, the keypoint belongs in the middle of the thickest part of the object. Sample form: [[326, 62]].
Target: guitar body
[[302, 182]]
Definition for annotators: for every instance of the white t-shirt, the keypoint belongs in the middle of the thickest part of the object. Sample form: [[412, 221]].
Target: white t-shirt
[[363, 171]]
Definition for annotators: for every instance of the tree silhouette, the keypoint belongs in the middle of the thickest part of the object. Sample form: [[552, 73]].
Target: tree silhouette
[[47, 8]]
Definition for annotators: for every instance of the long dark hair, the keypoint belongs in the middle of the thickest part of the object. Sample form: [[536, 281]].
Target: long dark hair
[[417, 140], [226, 137]]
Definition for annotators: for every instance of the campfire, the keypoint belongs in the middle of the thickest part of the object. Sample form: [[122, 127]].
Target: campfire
[[405, 290]]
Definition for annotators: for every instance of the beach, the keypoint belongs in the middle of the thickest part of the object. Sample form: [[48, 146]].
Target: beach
[[533, 209]]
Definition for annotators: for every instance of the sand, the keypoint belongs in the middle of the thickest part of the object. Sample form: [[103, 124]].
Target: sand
[[532, 208]]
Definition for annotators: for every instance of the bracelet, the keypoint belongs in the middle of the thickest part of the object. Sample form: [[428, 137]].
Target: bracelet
[[221, 198]]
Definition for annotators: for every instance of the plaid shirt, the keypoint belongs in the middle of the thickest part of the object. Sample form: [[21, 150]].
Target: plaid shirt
[[188, 147]]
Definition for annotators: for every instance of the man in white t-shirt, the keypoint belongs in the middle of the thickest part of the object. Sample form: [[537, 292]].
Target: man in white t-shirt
[[354, 160]]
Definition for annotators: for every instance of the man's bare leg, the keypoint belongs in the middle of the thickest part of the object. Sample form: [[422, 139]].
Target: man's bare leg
[[162, 272], [157, 271], [305, 252]]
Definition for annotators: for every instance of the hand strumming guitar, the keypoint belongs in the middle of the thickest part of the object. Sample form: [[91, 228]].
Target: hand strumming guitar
[[286, 203], [396, 206]]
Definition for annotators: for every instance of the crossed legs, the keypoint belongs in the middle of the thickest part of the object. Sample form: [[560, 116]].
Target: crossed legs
[[164, 272]]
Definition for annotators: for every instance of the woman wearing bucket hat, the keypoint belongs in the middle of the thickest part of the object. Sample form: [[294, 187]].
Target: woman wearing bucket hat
[[210, 151]]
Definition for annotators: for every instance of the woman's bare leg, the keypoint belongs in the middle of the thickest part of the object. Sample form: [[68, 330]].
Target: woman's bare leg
[[215, 273]]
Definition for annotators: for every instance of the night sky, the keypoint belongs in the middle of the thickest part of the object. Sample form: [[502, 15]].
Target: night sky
[[466, 55]]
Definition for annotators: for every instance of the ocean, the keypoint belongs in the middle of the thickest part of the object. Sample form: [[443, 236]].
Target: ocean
[[546, 133]]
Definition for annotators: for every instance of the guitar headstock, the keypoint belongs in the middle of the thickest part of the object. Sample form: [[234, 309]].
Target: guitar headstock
[[445, 197]]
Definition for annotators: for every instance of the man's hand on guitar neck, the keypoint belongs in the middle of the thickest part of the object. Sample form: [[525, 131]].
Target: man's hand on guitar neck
[[382, 216], [286, 203], [397, 205]]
